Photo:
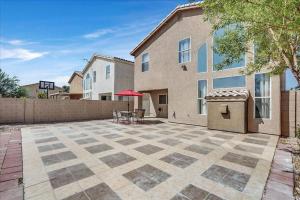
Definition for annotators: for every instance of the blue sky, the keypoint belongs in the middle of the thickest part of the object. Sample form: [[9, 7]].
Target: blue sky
[[49, 39]]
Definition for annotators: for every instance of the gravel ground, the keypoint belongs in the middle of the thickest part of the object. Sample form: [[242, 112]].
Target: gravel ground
[[296, 162]]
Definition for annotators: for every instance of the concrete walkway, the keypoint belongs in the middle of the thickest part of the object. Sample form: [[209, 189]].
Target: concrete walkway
[[103, 160], [11, 187]]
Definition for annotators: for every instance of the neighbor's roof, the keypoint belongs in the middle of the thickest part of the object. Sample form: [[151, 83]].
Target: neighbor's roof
[[242, 93], [164, 21], [78, 73], [104, 57]]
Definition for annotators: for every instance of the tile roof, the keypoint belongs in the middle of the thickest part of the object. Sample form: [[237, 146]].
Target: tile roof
[[171, 14], [241, 94]]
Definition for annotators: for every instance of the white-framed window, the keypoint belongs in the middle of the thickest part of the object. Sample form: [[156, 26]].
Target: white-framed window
[[94, 76], [202, 90], [145, 62], [88, 82], [262, 96], [184, 50], [107, 72], [162, 99]]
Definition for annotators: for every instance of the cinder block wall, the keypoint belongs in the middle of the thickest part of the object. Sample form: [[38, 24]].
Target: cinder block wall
[[55, 110], [290, 112]]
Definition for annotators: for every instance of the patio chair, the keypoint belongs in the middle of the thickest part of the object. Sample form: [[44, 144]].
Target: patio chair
[[115, 116], [139, 115]]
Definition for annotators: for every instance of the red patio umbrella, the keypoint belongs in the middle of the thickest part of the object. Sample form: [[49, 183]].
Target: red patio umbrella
[[129, 93]]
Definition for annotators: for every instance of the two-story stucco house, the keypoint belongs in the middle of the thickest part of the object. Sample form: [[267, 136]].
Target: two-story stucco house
[[103, 76], [174, 65]]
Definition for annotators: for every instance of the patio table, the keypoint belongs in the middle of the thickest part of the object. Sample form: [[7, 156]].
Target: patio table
[[127, 114]]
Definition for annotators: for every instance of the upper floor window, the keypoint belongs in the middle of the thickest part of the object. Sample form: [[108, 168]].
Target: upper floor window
[[202, 58], [94, 76], [87, 82], [184, 51], [145, 62], [107, 72], [229, 82], [202, 90], [218, 58], [262, 96]]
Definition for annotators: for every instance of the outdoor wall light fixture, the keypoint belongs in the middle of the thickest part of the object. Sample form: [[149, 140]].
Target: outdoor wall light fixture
[[184, 68]]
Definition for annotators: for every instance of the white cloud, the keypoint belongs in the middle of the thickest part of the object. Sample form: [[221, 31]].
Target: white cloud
[[16, 42], [98, 33], [20, 54]]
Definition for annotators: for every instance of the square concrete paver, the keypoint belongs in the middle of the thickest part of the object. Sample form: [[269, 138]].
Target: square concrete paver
[[147, 177], [104, 160], [128, 141], [192, 192], [59, 157], [117, 159], [227, 177], [149, 149], [98, 148], [179, 160]]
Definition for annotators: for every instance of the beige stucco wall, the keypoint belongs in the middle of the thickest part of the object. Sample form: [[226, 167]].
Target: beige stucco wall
[[51, 110], [166, 72], [124, 77], [234, 120], [76, 85]]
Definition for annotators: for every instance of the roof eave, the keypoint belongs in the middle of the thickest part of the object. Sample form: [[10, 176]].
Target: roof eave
[[161, 24]]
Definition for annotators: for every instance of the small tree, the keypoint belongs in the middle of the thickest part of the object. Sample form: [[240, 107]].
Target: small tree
[[66, 88], [273, 26], [42, 95], [9, 86]]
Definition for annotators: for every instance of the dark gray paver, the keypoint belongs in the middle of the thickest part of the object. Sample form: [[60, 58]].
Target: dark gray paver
[[112, 136], [132, 132], [257, 135], [59, 157], [179, 160], [147, 177], [101, 132], [127, 141], [223, 136], [149, 149], [199, 149], [77, 135], [98, 148], [51, 147], [192, 192], [213, 142], [77, 196], [198, 132], [51, 139], [101, 191], [250, 149], [241, 159], [227, 177], [165, 132], [86, 141], [254, 141], [117, 159], [149, 137], [170, 141], [68, 175]]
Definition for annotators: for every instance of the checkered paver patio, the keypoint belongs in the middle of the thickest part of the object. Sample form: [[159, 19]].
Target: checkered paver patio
[[102, 160]]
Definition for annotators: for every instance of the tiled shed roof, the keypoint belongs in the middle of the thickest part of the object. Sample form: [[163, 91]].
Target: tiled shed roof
[[241, 94]]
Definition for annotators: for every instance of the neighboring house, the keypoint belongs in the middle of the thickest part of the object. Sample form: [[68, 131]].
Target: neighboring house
[[174, 67], [103, 76], [32, 90]]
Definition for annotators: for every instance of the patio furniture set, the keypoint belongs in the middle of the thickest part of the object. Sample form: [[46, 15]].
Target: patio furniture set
[[128, 116]]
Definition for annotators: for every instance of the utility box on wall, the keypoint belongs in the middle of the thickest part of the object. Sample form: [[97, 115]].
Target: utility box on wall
[[227, 110]]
